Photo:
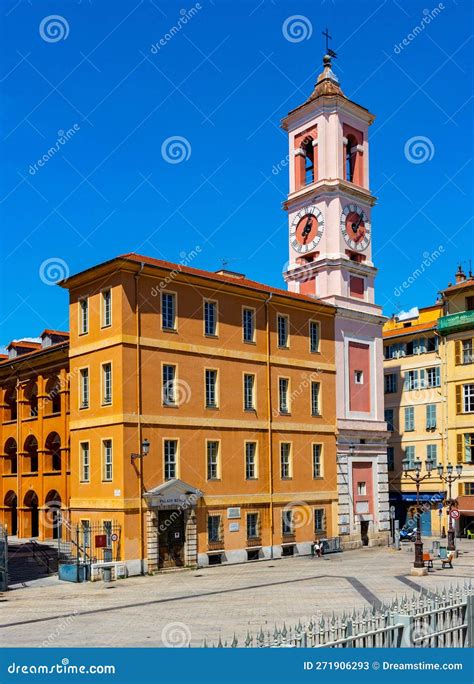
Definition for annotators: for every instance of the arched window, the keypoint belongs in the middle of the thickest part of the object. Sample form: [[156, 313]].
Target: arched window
[[31, 396], [309, 161], [351, 152], [53, 399], [11, 457], [10, 404], [53, 452], [31, 453]]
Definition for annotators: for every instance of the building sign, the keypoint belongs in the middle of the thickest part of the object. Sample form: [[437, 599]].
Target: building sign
[[233, 512], [234, 527]]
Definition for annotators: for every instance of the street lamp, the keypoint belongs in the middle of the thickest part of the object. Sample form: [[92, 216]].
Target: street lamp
[[449, 478], [417, 478], [145, 450]]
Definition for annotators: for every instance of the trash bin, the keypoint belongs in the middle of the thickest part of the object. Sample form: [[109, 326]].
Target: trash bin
[[107, 574]]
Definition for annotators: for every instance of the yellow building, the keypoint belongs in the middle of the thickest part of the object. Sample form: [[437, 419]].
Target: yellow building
[[456, 329], [414, 390], [202, 415]]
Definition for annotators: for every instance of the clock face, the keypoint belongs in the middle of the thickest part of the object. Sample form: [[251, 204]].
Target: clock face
[[306, 229], [355, 227]]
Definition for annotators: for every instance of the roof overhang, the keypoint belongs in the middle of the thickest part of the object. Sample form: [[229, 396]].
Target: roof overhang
[[173, 494]]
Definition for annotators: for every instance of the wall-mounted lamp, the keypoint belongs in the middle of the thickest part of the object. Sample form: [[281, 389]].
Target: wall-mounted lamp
[[144, 452]]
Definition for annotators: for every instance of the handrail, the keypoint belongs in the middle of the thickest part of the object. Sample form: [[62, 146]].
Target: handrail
[[38, 551]]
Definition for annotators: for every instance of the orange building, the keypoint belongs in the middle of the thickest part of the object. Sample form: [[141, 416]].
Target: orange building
[[34, 467], [202, 414]]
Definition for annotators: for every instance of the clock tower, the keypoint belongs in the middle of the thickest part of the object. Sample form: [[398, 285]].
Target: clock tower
[[329, 209]]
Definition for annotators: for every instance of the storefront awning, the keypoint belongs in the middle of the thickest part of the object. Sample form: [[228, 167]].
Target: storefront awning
[[173, 494]]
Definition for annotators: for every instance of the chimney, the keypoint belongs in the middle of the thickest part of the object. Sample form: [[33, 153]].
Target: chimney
[[460, 275]]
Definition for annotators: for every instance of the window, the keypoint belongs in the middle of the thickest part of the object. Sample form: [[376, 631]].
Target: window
[[390, 383], [469, 303], [432, 454], [214, 528], [107, 383], [430, 416], [411, 380], [319, 520], [248, 325], [285, 460], [465, 447], [170, 447], [107, 462], [287, 527], [433, 377], [169, 385], [350, 155], [432, 344], [469, 488], [168, 311], [467, 351], [317, 462], [210, 318], [468, 398], [389, 418], [86, 534], [315, 388], [410, 456], [106, 308], [362, 489], [313, 336], [250, 460], [85, 462], [84, 388], [283, 384], [282, 327], [211, 388], [391, 458], [308, 150], [359, 377], [212, 449], [107, 525], [249, 385], [84, 316], [409, 418], [252, 526]]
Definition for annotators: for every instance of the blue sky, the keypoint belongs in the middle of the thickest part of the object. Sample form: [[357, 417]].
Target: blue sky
[[221, 84]]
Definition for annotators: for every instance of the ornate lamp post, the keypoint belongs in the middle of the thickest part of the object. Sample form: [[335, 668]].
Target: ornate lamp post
[[417, 478], [449, 478]]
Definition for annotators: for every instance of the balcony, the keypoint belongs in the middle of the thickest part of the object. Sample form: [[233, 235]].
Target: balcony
[[455, 322]]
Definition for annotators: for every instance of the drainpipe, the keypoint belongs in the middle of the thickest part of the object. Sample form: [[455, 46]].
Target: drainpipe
[[269, 424], [139, 414]]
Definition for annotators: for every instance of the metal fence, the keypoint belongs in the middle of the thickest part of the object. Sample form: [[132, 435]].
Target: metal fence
[[3, 558], [431, 620], [83, 545]]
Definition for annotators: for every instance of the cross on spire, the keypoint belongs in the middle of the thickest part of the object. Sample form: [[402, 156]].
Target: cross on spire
[[328, 37]]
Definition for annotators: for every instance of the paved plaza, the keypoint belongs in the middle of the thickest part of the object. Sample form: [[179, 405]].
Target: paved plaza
[[175, 607]]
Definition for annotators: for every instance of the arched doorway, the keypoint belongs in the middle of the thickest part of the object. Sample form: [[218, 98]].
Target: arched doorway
[[11, 515], [31, 455], [31, 515], [53, 452], [52, 515], [11, 457]]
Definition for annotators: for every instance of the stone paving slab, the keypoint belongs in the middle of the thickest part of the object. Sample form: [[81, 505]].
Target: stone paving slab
[[175, 608]]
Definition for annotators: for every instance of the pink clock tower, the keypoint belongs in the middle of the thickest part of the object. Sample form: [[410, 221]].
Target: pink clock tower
[[329, 209]]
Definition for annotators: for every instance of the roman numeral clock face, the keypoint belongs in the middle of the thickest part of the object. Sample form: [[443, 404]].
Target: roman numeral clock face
[[355, 227], [306, 230]]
